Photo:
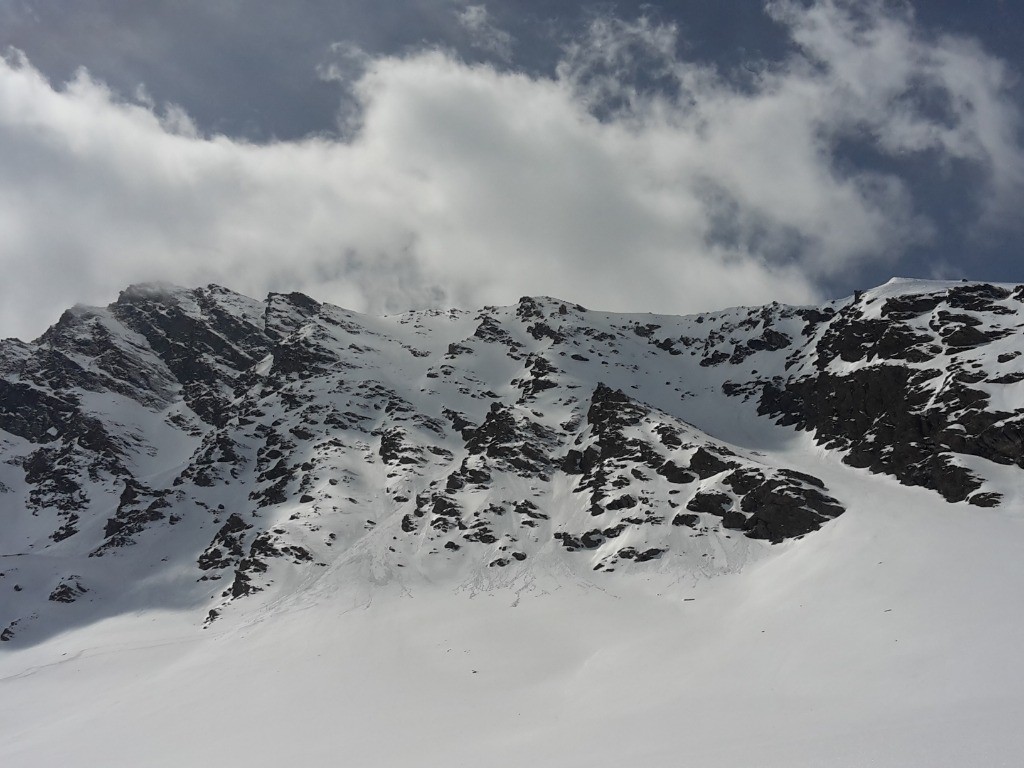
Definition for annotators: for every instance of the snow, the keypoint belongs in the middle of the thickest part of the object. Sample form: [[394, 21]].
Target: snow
[[890, 637], [886, 639], [905, 286]]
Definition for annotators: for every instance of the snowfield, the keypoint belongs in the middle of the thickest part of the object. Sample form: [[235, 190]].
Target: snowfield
[[890, 638]]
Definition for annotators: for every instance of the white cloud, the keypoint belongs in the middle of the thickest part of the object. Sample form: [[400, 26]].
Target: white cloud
[[466, 185], [912, 93], [346, 64], [483, 35]]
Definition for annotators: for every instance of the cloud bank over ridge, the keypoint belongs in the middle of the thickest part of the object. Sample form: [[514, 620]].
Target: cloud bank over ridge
[[630, 179]]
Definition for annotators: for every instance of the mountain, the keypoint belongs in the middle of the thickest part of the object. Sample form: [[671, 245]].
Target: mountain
[[242, 532], [195, 447]]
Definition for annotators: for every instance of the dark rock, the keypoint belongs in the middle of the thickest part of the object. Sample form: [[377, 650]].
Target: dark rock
[[977, 298], [715, 358], [909, 307], [707, 465], [33, 414], [683, 519], [675, 474], [887, 405], [1008, 378], [630, 553], [226, 546], [541, 331], [68, 591], [623, 502], [985, 499], [771, 340], [734, 520], [710, 502], [965, 336], [139, 506], [528, 308], [518, 444]]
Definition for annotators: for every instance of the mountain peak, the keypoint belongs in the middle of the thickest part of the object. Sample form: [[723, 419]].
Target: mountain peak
[[156, 292]]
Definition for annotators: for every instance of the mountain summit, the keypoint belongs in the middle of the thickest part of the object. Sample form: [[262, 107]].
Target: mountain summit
[[197, 449]]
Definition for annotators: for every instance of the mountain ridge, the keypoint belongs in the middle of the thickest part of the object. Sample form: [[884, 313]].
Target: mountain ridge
[[222, 447]]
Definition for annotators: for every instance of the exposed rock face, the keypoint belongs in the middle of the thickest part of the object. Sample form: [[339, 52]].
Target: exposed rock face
[[223, 446], [903, 384]]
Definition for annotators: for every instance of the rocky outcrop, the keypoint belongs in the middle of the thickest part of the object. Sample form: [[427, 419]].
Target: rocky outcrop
[[916, 388]]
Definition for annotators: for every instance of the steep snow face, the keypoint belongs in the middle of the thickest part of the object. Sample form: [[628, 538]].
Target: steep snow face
[[200, 450]]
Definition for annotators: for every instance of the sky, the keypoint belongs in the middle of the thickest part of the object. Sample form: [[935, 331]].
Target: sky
[[665, 157]]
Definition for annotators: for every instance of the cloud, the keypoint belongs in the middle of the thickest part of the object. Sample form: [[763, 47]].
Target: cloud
[[629, 180], [484, 35], [346, 64], [910, 92]]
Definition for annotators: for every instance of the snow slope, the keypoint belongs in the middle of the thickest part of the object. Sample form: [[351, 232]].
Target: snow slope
[[885, 640], [251, 533]]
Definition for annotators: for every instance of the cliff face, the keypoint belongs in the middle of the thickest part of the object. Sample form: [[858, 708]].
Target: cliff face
[[190, 448]]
